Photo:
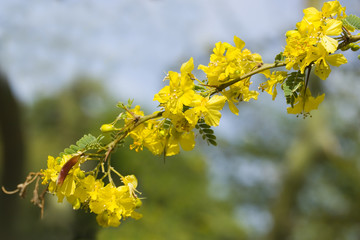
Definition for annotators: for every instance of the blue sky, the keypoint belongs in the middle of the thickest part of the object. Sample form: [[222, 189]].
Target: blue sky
[[129, 44]]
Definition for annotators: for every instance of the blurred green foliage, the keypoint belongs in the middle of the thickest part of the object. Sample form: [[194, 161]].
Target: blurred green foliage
[[281, 178]]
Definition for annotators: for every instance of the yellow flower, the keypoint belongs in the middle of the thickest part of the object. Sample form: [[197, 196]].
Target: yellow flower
[[322, 59], [239, 92], [329, 10], [176, 139], [322, 69], [85, 186], [53, 169], [150, 135], [51, 174], [181, 123], [270, 85], [179, 92], [208, 108], [112, 204], [304, 104], [131, 182], [136, 112], [229, 62]]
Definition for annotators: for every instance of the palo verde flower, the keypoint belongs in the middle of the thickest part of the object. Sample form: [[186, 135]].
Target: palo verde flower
[[180, 91], [304, 104], [311, 42], [208, 108]]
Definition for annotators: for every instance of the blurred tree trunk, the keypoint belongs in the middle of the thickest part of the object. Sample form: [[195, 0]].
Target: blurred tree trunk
[[298, 162], [13, 157], [314, 144]]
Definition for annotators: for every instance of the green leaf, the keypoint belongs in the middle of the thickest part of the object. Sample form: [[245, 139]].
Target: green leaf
[[352, 22], [75, 148], [208, 131], [130, 102], [210, 136], [292, 86], [69, 151], [279, 58], [87, 142], [199, 88], [203, 125], [212, 142]]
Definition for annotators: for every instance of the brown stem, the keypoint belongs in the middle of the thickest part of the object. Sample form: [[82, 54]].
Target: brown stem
[[262, 68], [138, 121], [349, 39]]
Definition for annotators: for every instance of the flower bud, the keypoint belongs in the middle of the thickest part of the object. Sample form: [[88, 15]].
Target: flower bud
[[107, 128], [138, 203], [80, 174], [355, 47], [346, 47], [76, 204]]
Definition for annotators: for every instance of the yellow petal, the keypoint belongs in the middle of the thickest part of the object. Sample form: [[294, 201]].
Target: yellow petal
[[192, 116], [233, 108], [322, 69], [336, 59], [212, 118], [172, 147], [239, 43], [333, 27], [312, 14], [188, 66], [174, 79], [313, 103], [329, 44], [216, 102], [219, 49], [298, 107], [163, 95], [267, 73], [187, 141]]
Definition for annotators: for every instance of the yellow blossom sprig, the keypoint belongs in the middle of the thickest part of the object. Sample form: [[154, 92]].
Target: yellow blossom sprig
[[83, 190], [190, 107]]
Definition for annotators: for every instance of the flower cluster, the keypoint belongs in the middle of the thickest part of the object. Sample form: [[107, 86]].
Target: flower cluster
[[182, 109], [228, 63], [311, 43], [65, 179]]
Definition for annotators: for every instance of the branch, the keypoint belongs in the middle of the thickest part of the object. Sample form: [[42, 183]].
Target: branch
[[123, 134], [349, 39], [264, 67]]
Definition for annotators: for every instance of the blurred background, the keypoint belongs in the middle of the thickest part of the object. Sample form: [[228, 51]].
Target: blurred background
[[64, 66]]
